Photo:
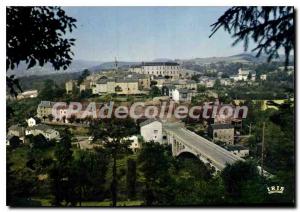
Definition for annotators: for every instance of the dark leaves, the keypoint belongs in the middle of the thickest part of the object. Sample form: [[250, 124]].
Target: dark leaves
[[271, 28], [38, 35]]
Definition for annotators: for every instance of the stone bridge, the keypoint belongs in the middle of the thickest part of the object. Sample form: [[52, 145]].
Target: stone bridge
[[183, 140]]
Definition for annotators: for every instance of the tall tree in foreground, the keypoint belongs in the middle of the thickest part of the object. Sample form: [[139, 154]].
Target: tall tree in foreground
[[131, 178], [60, 173], [37, 35], [155, 163], [271, 28], [113, 133], [243, 183]]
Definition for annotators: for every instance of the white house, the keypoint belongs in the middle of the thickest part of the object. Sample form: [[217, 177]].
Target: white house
[[263, 77], [151, 130], [46, 131], [156, 69], [28, 94], [244, 75], [183, 94], [31, 122]]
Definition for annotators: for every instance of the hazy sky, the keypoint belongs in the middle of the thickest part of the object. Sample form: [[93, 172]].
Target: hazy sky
[[147, 33]]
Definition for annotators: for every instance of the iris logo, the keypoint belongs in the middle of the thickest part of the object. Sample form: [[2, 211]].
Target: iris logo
[[275, 189]]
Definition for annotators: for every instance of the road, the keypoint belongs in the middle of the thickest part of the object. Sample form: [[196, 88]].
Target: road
[[216, 154]]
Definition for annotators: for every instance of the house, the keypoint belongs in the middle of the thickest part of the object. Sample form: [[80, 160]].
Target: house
[[225, 81], [182, 95], [16, 130], [244, 75], [184, 83], [222, 132], [208, 82], [239, 151], [10, 139], [70, 86], [263, 77], [85, 85], [28, 94], [160, 81], [144, 81], [31, 122], [155, 69], [124, 86], [43, 129], [44, 109], [166, 90], [151, 130]]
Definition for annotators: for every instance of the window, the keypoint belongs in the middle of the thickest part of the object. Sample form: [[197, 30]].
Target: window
[[155, 131]]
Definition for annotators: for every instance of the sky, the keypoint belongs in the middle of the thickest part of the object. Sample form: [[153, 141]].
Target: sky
[[147, 33]]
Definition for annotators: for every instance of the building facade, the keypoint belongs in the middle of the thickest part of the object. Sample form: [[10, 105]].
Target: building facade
[[44, 109], [158, 69], [151, 130], [244, 75], [222, 132], [182, 95], [70, 86], [124, 86], [45, 130]]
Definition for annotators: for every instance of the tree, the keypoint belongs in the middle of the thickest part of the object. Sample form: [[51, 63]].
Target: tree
[[21, 184], [50, 117], [37, 35], [200, 88], [271, 28], [72, 118], [113, 133], [238, 175], [15, 141], [50, 91], [155, 91], [195, 77], [38, 141], [131, 178], [155, 164], [84, 74], [217, 84], [60, 174], [89, 169]]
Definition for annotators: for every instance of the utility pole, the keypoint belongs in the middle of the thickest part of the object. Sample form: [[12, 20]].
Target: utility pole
[[250, 129], [262, 149]]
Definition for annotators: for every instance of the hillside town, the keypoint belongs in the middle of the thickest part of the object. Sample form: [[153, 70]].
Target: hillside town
[[149, 121], [172, 84]]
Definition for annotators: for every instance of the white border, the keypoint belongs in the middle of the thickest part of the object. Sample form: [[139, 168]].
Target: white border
[[5, 3]]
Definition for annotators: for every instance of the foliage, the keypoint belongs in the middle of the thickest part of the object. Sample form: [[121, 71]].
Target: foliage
[[154, 164], [37, 35], [131, 178], [272, 28], [113, 133], [84, 74], [237, 175], [155, 91]]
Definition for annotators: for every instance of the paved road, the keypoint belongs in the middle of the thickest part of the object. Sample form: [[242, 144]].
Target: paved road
[[218, 155]]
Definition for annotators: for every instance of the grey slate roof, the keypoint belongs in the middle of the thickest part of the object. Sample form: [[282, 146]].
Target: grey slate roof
[[221, 126], [148, 121], [45, 104]]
